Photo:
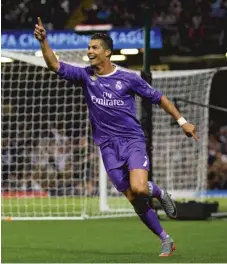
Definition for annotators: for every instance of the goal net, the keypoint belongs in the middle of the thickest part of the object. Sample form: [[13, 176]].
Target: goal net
[[180, 164], [51, 168]]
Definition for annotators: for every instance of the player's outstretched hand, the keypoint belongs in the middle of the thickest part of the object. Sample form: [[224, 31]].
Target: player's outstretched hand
[[190, 130], [40, 32]]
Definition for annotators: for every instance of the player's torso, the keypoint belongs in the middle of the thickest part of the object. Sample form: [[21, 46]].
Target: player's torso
[[112, 108], [111, 91]]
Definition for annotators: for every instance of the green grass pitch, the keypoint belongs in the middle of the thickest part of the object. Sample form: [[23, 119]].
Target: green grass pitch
[[116, 240]]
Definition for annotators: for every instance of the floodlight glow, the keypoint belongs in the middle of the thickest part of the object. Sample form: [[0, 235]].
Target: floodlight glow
[[85, 58], [112, 58], [39, 54], [129, 51], [6, 60], [118, 58]]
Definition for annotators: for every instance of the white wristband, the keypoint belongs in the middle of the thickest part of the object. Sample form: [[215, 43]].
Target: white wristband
[[181, 121]]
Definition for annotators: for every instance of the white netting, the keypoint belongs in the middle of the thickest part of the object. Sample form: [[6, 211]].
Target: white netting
[[179, 164], [49, 155]]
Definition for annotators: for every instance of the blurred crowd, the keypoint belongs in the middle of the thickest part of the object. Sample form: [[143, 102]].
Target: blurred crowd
[[217, 160], [57, 164], [23, 14], [195, 25]]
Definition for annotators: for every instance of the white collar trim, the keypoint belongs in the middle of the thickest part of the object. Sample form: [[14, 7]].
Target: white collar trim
[[109, 74]]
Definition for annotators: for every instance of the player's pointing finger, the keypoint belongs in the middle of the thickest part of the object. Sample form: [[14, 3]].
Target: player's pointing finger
[[40, 23], [195, 136]]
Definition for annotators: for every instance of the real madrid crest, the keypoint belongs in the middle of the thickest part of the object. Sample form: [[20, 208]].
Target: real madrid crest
[[118, 85]]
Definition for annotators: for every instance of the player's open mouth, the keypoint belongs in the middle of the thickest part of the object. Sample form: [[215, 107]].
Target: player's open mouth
[[91, 57]]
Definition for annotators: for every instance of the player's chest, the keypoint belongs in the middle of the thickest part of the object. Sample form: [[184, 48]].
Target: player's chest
[[115, 87]]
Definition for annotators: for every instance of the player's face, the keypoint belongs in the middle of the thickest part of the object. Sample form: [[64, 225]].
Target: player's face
[[96, 52]]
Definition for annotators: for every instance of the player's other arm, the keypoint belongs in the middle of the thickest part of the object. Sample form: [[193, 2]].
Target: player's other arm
[[48, 54], [143, 89], [169, 107]]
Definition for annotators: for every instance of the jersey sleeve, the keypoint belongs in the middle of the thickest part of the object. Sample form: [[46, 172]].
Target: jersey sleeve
[[143, 89], [70, 72]]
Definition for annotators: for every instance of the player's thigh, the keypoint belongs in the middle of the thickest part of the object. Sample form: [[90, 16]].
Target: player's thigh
[[138, 165], [120, 178], [137, 156]]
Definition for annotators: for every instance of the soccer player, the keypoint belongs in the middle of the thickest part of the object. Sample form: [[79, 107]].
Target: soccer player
[[109, 93]]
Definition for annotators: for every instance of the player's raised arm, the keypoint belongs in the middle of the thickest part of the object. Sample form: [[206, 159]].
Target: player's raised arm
[[48, 54], [169, 107]]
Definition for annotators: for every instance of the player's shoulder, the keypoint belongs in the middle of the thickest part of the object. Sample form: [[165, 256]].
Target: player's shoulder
[[130, 75], [89, 71]]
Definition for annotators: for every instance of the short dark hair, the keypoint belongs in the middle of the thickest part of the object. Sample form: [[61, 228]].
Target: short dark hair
[[106, 40]]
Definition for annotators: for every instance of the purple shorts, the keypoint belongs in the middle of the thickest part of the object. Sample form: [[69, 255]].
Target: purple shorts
[[122, 155]]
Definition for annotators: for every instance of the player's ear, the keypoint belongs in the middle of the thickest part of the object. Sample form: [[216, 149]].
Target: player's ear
[[108, 53]]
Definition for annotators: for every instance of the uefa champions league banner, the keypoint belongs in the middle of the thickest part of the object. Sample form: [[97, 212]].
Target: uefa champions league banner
[[69, 39]]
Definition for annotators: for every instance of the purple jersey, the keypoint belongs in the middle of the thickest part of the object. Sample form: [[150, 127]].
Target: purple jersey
[[111, 100]]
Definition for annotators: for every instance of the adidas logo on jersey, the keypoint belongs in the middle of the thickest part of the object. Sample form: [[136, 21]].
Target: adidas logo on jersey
[[145, 162]]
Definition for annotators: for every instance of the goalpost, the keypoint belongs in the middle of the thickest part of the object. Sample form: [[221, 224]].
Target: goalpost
[[51, 167]]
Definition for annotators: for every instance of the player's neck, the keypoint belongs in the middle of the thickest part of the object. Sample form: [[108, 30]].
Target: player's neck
[[105, 68]]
